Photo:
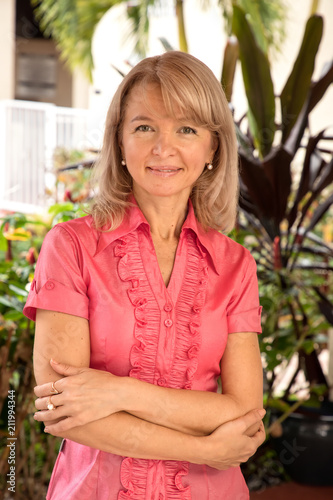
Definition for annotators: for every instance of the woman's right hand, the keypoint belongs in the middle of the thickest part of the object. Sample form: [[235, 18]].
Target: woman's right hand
[[233, 443], [83, 395]]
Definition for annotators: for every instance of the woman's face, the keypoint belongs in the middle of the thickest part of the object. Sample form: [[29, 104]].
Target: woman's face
[[165, 156]]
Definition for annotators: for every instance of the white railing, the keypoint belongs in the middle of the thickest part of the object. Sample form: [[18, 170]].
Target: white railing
[[29, 134]]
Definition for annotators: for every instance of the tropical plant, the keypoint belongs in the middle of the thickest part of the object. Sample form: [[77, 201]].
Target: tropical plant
[[73, 175], [285, 218], [72, 23], [285, 201], [266, 18], [21, 237]]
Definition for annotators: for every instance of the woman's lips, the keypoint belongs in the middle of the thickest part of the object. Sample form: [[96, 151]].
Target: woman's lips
[[164, 171]]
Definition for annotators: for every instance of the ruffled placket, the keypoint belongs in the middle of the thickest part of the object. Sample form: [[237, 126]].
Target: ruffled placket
[[157, 479]]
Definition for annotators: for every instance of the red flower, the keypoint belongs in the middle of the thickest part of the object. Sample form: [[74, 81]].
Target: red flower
[[68, 195], [31, 256]]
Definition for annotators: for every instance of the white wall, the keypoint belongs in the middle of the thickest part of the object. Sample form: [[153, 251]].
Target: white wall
[[80, 90], [7, 52]]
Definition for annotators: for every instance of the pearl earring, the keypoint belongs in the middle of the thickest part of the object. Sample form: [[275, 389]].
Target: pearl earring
[[123, 162], [209, 166]]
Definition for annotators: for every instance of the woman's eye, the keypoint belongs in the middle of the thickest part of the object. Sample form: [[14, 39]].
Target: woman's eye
[[143, 128], [188, 130]]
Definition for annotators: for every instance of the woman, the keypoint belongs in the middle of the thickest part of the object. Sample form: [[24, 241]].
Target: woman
[[143, 304]]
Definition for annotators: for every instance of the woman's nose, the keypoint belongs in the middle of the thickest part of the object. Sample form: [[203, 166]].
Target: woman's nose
[[164, 144]]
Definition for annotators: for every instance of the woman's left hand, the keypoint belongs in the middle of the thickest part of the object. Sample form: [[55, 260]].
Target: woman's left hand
[[82, 396]]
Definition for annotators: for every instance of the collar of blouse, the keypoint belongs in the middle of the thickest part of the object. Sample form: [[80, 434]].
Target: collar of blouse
[[210, 240]]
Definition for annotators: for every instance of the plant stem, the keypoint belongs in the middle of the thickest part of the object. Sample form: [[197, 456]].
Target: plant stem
[[314, 7], [9, 254], [181, 26]]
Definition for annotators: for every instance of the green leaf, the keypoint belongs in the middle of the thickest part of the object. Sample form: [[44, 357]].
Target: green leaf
[[310, 171], [6, 302], [278, 171], [18, 291], [266, 17], [319, 88], [72, 23], [121, 73], [137, 12], [13, 315], [296, 90], [258, 186], [244, 144], [308, 346], [61, 207], [317, 91], [254, 17], [324, 181], [258, 84], [166, 45], [3, 243], [321, 209], [231, 53]]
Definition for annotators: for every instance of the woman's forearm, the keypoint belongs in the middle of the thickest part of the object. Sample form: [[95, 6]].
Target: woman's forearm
[[197, 413], [201, 412], [127, 435], [194, 412]]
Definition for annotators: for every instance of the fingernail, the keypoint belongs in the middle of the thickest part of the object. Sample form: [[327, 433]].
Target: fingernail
[[54, 361], [262, 413], [46, 430]]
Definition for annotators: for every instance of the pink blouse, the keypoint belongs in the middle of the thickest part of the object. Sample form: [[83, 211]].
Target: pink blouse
[[171, 336]]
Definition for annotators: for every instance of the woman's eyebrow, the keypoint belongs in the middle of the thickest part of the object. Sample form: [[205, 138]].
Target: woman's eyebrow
[[180, 119], [140, 118]]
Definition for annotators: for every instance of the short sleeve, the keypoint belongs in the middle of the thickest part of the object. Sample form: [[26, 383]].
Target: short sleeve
[[58, 284], [244, 310]]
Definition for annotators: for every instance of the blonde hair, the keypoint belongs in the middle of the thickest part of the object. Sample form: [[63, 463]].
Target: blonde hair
[[189, 86]]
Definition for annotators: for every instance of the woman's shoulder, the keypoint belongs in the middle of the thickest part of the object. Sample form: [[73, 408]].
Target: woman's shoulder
[[80, 230], [223, 249], [221, 241], [80, 224]]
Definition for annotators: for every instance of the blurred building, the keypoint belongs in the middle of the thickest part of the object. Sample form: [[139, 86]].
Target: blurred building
[[31, 67], [42, 107]]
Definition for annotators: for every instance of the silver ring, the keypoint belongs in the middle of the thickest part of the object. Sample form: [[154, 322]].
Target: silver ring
[[54, 390]]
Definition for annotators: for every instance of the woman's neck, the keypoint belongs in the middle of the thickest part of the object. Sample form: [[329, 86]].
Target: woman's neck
[[165, 215]]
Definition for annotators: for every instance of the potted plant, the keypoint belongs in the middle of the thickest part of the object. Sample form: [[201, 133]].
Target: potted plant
[[285, 198]]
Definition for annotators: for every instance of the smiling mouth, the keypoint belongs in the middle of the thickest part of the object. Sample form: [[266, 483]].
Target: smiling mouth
[[163, 170]]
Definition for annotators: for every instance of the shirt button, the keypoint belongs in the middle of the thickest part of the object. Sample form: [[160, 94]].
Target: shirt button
[[49, 285], [168, 307], [168, 323], [161, 381]]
